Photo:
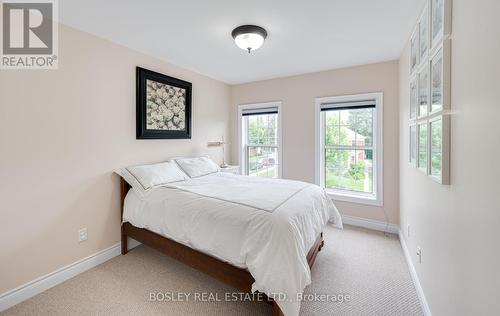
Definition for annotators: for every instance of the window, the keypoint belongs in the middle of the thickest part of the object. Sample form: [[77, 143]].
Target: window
[[349, 154], [260, 139]]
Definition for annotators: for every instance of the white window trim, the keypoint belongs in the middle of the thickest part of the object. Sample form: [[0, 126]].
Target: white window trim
[[242, 136], [378, 97]]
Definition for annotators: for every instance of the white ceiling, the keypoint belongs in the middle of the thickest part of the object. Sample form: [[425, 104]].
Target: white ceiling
[[303, 35]]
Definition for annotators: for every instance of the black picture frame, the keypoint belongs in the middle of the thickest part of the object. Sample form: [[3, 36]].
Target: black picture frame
[[142, 132]]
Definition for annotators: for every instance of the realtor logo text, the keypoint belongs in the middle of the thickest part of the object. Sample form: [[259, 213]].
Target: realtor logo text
[[29, 34]]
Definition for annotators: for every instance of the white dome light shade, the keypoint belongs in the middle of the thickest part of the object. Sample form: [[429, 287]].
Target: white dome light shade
[[249, 37], [249, 41]]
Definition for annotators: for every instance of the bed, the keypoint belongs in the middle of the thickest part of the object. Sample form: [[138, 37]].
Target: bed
[[257, 235]]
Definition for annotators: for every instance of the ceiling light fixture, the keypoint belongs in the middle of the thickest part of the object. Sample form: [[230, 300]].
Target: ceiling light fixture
[[249, 37]]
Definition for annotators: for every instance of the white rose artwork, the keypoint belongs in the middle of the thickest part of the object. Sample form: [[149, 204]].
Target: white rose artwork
[[165, 107]]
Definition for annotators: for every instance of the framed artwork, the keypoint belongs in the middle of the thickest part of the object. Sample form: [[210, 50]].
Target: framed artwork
[[163, 106], [439, 132], [440, 78], [440, 20], [423, 91], [423, 31], [413, 145], [413, 98], [414, 51], [422, 138]]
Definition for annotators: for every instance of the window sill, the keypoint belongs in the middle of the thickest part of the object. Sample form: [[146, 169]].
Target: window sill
[[353, 198]]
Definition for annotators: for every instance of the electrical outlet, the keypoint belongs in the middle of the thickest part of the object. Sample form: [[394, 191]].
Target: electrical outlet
[[82, 235], [419, 254], [408, 231]]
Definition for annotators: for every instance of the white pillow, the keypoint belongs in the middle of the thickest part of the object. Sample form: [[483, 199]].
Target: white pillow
[[145, 177], [197, 167]]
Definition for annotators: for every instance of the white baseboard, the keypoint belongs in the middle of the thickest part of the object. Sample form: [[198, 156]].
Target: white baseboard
[[47, 281], [393, 229], [420, 292], [32, 288], [370, 224]]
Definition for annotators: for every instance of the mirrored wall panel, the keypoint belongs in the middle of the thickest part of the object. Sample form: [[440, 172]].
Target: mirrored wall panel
[[436, 132], [439, 149], [413, 144], [430, 91], [413, 99], [423, 31], [440, 11], [414, 51], [423, 92], [437, 82], [422, 146]]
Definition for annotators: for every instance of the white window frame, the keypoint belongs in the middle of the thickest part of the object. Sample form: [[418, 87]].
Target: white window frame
[[350, 196], [242, 134]]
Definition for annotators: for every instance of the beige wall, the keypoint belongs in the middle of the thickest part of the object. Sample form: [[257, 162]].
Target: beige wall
[[457, 226], [62, 132], [297, 94]]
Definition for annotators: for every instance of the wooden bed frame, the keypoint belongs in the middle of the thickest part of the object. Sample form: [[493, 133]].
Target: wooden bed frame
[[222, 271]]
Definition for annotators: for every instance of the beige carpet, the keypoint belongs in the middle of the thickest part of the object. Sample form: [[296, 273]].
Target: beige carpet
[[366, 265]]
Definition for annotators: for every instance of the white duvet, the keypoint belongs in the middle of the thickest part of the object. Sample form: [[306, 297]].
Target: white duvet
[[264, 225]]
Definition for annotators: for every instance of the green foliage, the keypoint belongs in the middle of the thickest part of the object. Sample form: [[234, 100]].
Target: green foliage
[[436, 147], [340, 171], [262, 130], [436, 164], [357, 170], [334, 136], [335, 181], [360, 121]]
